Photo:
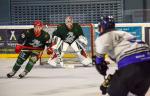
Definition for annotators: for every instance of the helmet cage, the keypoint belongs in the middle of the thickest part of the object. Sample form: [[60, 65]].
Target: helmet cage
[[107, 23]]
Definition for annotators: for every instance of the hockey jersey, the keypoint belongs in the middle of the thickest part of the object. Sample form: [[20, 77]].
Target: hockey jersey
[[68, 36], [28, 38], [122, 47]]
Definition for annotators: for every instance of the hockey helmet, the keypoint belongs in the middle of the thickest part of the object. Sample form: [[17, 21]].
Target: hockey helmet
[[107, 23], [38, 23]]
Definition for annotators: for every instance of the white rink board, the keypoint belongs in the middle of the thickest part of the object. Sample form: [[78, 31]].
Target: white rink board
[[45, 81]]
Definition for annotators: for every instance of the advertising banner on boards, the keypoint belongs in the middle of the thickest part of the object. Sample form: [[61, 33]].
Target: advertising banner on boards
[[8, 39], [135, 30]]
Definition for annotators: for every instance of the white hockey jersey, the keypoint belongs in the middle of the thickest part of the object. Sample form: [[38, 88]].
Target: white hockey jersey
[[118, 45]]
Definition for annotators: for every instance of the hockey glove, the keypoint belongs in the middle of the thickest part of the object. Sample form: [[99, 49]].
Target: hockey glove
[[104, 86], [18, 48], [103, 89], [101, 65], [102, 68], [49, 51]]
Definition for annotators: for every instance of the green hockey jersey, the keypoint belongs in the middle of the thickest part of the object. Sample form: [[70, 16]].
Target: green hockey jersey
[[29, 39], [68, 36]]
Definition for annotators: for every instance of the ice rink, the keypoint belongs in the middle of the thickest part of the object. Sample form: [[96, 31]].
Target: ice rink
[[47, 81]]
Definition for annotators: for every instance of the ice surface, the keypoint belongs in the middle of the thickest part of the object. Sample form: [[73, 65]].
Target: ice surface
[[47, 81]]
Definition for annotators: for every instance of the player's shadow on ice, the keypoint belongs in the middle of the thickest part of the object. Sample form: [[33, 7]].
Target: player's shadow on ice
[[53, 77], [47, 66], [43, 77]]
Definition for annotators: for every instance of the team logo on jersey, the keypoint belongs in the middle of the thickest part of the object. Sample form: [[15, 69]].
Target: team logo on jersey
[[35, 43], [22, 35], [70, 37]]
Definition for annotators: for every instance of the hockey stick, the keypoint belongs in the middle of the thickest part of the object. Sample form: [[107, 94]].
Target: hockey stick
[[30, 48], [20, 47]]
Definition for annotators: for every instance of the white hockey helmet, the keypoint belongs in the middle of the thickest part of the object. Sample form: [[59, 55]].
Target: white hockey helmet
[[69, 22], [69, 19]]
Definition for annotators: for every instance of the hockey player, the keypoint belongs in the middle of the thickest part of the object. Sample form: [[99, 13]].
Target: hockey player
[[69, 34], [131, 56], [30, 45]]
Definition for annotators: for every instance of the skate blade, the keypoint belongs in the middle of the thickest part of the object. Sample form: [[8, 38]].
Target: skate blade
[[69, 66]]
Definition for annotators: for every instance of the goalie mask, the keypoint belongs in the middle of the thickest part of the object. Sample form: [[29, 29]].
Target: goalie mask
[[69, 22], [106, 23]]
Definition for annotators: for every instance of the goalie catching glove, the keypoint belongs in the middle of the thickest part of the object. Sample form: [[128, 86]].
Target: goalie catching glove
[[57, 43]]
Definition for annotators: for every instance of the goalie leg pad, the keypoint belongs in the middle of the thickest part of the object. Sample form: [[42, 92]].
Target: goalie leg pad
[[58, 54], [80, 50], [76, 47], [83, 40], [64, 48], [57, 48], [52, 60], [86, 61], [58, 42]]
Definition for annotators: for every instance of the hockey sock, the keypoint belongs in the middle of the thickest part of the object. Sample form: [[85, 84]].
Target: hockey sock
[[31, 63], [29, 66], [21, 58], [18, 64]]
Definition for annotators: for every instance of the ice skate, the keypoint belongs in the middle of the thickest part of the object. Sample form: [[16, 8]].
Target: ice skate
[[23, 74], [87, 62], [62, 64], [10, 74], [52, 62]]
